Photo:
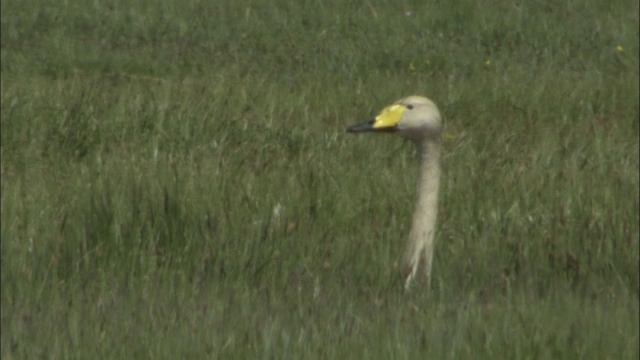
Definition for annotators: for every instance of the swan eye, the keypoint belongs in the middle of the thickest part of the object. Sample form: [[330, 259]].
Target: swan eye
[[409, 106]]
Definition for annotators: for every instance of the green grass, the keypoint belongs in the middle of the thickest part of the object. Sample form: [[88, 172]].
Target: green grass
[[177, 181]]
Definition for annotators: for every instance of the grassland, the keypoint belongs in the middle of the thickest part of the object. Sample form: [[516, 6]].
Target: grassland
[[177, 182]]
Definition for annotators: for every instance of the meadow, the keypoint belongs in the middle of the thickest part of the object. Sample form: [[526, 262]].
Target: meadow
[[177, 182]]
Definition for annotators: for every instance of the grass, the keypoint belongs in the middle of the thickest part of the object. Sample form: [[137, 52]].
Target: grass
[[177, 182]]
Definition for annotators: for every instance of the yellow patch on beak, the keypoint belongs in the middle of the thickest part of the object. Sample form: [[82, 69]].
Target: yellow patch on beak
[[389, 117]]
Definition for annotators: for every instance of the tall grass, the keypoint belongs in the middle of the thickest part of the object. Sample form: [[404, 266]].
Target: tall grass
[[177, 183]]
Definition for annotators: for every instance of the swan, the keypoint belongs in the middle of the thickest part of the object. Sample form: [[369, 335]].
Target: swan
[[416, 118]]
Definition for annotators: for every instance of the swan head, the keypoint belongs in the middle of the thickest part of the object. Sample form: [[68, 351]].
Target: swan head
[[415, 118]]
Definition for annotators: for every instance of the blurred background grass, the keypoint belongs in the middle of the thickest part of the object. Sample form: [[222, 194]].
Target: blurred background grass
[[177, 183]]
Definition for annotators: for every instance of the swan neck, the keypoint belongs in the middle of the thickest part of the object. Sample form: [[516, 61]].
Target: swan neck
[[421, 238], [429, 159]]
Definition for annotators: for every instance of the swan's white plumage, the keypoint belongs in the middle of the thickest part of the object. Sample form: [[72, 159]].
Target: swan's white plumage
[[416, 118]]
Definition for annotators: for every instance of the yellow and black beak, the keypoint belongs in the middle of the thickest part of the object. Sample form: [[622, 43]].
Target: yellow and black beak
[[386, 121], [367, 127]]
